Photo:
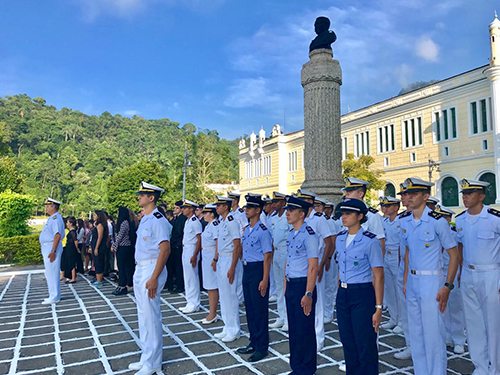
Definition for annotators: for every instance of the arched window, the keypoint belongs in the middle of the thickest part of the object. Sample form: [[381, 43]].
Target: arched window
[[491, 191], [449, 192], [390, 190]]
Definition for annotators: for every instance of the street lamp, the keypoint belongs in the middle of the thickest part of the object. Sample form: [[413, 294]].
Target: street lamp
[[185, 165]]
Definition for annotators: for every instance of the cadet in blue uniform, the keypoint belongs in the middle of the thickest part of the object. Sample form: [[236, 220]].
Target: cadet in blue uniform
[[257, 258], [300, 294], [478, 232], [152, 250], [425, 234], [361, 292], [51, 244]]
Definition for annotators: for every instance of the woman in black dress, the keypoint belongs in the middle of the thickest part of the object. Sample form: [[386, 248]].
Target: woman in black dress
[[100, 247], [123, 246], [71, 250]]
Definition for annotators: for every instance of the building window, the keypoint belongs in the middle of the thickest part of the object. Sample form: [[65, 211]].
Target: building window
[[258, 165], [491, 191], [449, 192], [390, 190], [485, 145], [362, 144], [445, 125], [446, 151], [344, 148], [292, 161], [267, 165], [413, 157], [480, 116], [386, 138], [412, 132], [386, 161]]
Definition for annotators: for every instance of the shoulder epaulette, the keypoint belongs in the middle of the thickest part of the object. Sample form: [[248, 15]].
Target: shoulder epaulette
[[241, 209], [494, 212], [274, 213], [369, 234], [435, 215], [310, 230], [318, 214], [230, 218], [461, 213], [216, 222], [404, 214], [342, 232], [54, 218], [158, 215], [453, 228], [263, 226], [373, 210], [193, 218]]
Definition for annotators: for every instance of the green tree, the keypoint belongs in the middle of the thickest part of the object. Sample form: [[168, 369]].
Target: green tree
[[361, 168], [15, 210], [10, 178]]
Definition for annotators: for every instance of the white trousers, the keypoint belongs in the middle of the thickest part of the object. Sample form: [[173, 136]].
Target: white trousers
[[228, 295], [391, 270], [279, 263], [428, 346], [52, 271], [191, 279], [319, 323], [149, 315], [403, 313], [481, 298], [331, 288], [454, 319]]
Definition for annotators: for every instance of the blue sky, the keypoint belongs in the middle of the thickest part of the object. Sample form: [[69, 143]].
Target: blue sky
[[229, 65]]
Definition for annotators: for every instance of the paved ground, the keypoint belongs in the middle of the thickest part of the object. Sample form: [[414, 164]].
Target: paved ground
[[92, 332]]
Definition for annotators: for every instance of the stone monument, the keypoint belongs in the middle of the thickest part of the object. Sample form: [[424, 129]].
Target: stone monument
[[321, 80]]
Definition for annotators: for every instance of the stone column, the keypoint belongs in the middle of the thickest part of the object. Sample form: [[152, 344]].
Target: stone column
[[321, 80]]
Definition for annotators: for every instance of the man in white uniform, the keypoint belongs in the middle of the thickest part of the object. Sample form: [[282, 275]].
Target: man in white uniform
[[151, 253], [191, 247], [51, 245], [239, 215]]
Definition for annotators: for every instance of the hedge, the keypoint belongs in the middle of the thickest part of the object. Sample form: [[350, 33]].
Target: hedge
[[22, 250]]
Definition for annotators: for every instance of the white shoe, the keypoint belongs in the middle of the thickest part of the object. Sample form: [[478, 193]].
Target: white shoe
[[388, 325], [220, 335], [327, 320], [278, 323], [320, 347], [458, 349], [405, 354], [183, 309], [285, 327], [135, 366], [48, 301], [397, 330], [230, 338], [273, 298], [342, 367], [190, 310], [147, 371], [206, 321]]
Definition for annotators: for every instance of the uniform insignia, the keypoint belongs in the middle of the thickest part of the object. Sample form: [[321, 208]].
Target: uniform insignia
[[193, 218], [369, 234], [427, 245], [54, 218], [230, 218], [435, 215], [263, 226], [310, 230], [461, 213], [373, 210], [158, 215], [404, 214], [216, 222], [453, 228], [404, 230], [494, 212], [318, 214], [342, 232], [241, 209]]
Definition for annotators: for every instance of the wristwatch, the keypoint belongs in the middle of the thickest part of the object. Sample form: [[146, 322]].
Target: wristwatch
[[309, 294], [380, 307], [450, 286]]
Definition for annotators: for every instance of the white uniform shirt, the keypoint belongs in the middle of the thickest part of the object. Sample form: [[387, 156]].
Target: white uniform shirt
[[241, 218], [54, 225], [392, 233], [192, 227], [229, 230], [153, 229], [320, 226], [279, 229], [374, 223], [209, 236]]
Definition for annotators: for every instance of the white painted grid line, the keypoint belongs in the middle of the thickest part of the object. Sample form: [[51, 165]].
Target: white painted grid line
[[6, 287], [57, 341]]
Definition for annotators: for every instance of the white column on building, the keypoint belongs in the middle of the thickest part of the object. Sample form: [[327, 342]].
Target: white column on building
[[493, 73]]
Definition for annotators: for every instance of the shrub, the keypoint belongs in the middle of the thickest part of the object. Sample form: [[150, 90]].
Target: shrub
[[20, 250], [15, 210]]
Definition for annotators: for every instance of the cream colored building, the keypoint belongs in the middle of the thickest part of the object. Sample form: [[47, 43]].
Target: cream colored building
[[445, 131]]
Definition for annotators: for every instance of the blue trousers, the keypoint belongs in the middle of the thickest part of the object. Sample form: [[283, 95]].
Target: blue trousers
[[301, 331], [355, 308], [257, 307]]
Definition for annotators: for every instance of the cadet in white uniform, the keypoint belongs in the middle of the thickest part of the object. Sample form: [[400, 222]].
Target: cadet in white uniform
[[51, 244], [425, 234], [229, 269], [208, 245], [151, 253], [279, 229], [238, 214], [191, 247], [478, 232], [454, 319], [317, 221]]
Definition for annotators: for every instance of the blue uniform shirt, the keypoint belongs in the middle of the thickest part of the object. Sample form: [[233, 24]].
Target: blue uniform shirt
[[301, 246], [279, 229], [256, 242], [153, 229], [392, 233], [480, 236], [358, 258], [426, 239]]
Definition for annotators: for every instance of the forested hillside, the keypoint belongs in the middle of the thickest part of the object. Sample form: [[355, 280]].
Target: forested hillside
[[94, 162]]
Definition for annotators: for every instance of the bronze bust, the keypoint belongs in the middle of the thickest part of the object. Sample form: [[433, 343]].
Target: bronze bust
[[325, 36]]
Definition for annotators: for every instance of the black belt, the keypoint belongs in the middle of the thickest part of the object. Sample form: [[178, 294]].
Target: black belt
[[296, 279]]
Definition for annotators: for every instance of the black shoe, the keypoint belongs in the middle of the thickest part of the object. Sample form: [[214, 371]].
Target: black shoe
[[246, 350], [257, 356], [120, 292]]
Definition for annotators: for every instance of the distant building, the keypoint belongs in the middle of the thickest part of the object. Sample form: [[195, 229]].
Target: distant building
[[447, 130]]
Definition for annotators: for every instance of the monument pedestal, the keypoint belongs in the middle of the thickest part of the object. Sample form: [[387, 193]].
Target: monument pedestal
[[321, 80]]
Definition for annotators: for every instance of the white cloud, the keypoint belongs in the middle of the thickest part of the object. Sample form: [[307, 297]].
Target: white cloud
[[131, 112], [404, 74], [427, 49], [250, 92]]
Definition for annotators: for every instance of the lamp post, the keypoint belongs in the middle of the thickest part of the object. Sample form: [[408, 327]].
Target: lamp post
[[185, 165]]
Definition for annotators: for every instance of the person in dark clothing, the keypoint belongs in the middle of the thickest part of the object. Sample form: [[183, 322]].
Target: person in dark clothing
[[71, 250], [175, 279], [80, 235], [123, 246], [101, 246]]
